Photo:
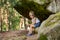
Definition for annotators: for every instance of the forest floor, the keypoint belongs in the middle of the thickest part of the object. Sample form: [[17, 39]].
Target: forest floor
[[16, 35]]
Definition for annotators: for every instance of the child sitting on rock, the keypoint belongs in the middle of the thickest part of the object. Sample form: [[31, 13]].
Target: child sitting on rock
[[35, 23]]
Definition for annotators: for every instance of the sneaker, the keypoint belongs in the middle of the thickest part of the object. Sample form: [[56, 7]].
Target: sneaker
[[29, 34]]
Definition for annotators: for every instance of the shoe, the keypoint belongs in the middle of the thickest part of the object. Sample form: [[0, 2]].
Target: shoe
[[29, 34]]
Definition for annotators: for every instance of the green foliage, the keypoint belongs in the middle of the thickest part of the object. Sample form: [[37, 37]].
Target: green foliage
[[43, 37], [14, 19], [12, 2], [4, 27], [29, 22], [15, 22]]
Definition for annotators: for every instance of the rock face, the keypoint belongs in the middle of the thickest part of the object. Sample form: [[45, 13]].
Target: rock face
[[40, 1], [54, 6], [50, 27]]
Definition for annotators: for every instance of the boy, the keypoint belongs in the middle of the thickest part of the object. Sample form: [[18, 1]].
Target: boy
[[35, 23]]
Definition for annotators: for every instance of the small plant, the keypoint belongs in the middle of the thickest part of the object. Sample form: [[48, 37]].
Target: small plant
[[42, 37]]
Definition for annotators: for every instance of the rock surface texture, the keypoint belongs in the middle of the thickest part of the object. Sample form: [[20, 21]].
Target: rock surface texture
[[51, 27], [54, 6]]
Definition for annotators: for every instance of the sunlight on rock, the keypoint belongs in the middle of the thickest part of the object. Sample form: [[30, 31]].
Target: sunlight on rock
[[49, 26]]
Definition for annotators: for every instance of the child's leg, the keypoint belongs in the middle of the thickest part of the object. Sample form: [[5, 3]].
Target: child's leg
[[31, 29]]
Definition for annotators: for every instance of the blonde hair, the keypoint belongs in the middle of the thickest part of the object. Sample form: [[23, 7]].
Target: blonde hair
[[31, 13]]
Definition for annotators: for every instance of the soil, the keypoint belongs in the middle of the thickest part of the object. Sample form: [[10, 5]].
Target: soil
[[17, 35]]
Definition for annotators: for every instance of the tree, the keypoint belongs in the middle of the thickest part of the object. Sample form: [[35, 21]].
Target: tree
[[8, 19]]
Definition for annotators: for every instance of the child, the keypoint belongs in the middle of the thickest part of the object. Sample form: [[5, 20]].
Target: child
[[35, 23]]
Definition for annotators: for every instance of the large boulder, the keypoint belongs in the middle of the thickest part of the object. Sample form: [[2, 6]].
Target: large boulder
[[50, 28], [54, 6]]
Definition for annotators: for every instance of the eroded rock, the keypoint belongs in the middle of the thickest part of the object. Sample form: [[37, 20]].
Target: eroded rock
[[51, 27]]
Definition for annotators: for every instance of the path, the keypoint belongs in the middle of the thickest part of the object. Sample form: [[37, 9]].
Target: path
[[34, 37], [16, 35]]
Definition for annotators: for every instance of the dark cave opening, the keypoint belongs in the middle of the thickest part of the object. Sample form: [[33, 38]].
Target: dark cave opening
[[40, 10]]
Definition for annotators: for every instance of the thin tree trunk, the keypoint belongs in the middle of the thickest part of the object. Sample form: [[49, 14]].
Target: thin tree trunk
[[1, 17]]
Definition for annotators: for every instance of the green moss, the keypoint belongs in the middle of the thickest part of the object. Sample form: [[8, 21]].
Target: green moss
[[42, 37], [56, 18]]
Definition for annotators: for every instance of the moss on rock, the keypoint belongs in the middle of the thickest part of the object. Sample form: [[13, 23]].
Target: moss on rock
[[43, 37], [51, 27]]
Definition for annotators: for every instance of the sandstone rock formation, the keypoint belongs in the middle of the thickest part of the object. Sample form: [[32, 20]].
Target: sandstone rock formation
[[54, 6], [51, 27]]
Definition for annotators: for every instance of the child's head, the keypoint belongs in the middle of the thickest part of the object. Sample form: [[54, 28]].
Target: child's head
[[31, 14]]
